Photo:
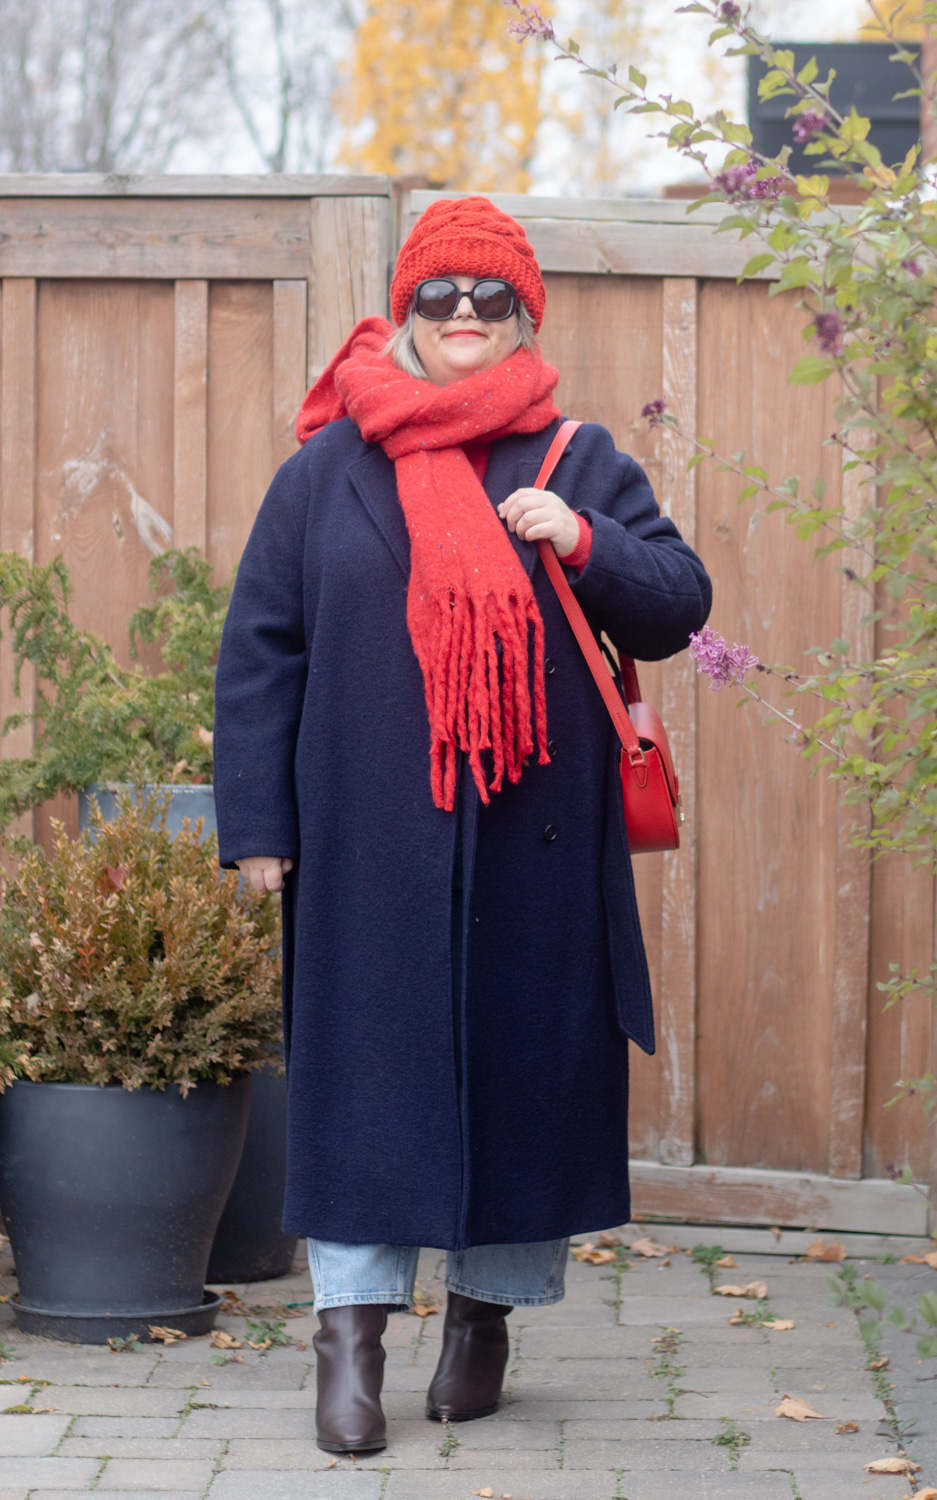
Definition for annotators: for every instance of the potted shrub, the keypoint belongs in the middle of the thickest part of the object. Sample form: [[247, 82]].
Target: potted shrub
[[138, 988], [100, 726]]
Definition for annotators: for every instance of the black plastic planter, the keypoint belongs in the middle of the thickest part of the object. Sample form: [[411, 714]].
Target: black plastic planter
[[111, 1201], [249, 1243]]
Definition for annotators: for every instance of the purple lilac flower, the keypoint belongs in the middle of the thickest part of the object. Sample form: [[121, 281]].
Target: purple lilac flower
[[740, 184], [654, 410], [807, 125], [719, 662], [532, 22], [828, 329], [729, 11], [913, 267]]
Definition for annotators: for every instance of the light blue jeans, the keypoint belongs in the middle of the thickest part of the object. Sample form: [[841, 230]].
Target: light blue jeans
[[529, 1275]]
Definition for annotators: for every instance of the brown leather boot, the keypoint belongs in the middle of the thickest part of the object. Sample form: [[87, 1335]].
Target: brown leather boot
[[350, 1372], [474, 1356]]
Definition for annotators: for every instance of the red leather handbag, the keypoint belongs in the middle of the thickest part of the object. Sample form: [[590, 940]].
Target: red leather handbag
[[649, 786]]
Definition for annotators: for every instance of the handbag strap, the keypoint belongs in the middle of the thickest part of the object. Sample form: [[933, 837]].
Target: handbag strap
[[580, 626]]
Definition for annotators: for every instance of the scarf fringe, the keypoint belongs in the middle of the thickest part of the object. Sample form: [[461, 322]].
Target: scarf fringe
[[477, 701]]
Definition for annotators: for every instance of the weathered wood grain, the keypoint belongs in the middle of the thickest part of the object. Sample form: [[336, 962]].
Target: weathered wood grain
[[183, 185], [349, 268], [630, 210], [132, 238], [678, 707], [850, 997], [735, 1195], [625, 249], [766, 885], [240, 414], [17, 486], [289, 363], [190, 415]]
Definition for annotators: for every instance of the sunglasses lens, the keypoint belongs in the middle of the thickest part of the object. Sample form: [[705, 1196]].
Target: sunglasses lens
[[494, 300], [436, 299]]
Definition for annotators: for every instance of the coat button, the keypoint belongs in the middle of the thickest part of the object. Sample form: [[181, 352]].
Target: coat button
[[551, 749], [549, 666], [549, 833]]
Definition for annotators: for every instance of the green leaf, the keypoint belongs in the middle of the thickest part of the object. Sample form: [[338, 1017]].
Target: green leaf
[[927, 1307], [756, 264], [874, 1295], [638, 79], [927, 1347], [810, 370]]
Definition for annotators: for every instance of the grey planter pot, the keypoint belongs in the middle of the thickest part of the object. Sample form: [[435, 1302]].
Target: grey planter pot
[[249, 1244], [111, 1200]]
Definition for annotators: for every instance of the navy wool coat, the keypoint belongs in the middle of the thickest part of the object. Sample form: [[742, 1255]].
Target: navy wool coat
[[322, 755]]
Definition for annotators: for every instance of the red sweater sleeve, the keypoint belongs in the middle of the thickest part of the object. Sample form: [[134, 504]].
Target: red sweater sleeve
[[580, 553]]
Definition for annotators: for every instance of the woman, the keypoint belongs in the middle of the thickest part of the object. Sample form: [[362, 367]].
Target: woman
[[462, 956]]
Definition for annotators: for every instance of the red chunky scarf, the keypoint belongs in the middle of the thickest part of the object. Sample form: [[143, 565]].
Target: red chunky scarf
[[467, 588]]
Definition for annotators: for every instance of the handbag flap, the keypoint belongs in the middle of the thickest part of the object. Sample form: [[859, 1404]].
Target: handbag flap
[[649, 726]]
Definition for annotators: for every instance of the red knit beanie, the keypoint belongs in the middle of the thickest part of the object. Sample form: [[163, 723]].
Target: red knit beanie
[[467, 237]]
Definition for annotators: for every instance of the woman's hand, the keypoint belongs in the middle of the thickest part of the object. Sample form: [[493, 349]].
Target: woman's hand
[[537, 515], [265, 871]]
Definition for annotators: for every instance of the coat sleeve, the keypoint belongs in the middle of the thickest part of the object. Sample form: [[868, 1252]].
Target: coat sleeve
[[260, 686], [642, 583]]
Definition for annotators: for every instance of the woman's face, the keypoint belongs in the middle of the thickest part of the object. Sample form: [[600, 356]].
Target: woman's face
[[463, 344]]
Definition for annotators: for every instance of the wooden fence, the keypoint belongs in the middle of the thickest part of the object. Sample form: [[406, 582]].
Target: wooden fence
[[155, 339]]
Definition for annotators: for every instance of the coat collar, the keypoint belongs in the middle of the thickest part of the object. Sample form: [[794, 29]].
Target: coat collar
[[513, 463]]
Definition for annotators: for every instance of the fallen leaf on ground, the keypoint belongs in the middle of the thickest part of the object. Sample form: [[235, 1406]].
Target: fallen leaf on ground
[[261, 1345], [751, 1289], [231, 1303], [592, 1255], [929, 1494], [649, 1248], [203, 1381], [892, 1466], [607, 1242], [423, 1310], [851, 1427], [166, 1336], [331, 1463], [487, 1493], [726, 1261], [821, 1251], [879, 1364], [222, 1340], [829, 1325], [302, 1347], [775, 1231], [797, 1409], [5, 1297], [930, 1259], [46, 1408], [205, 735], [779, 1324]]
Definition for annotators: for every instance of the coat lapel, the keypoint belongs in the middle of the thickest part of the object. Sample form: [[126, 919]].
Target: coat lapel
[[375, 484]]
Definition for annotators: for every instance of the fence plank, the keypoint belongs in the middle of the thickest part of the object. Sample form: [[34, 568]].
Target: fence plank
[[183, 185], [678, 923], [766, 887], [240, 411], [850, 998], [739, 1195], [349, 264], [190, 415], [289, 363], [17, 482], [119, 238]]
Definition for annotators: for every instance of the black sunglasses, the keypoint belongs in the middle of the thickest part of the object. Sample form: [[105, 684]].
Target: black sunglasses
[[437, 298]]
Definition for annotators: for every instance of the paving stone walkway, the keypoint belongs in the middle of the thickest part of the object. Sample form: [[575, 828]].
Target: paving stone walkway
[[634, 1388]]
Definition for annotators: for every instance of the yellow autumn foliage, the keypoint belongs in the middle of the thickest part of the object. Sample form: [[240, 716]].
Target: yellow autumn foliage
[[906, 20], [438, 87]]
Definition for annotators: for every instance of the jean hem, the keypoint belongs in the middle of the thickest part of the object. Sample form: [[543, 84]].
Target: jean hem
[[357, 1299], [502, 1299]]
